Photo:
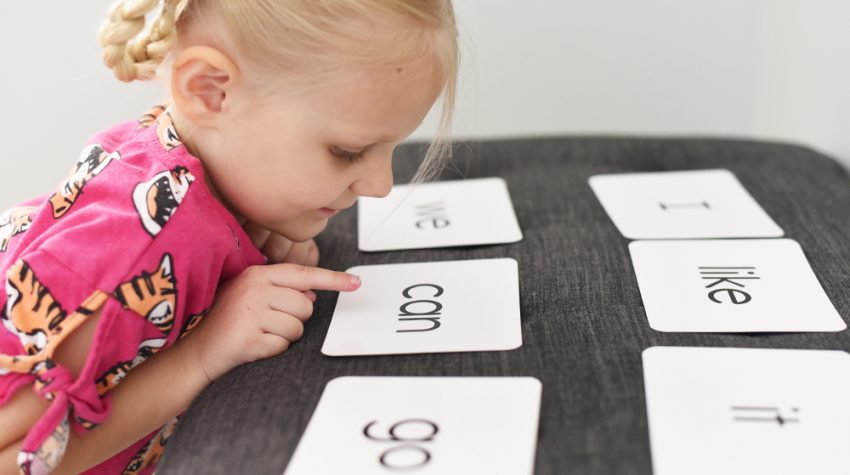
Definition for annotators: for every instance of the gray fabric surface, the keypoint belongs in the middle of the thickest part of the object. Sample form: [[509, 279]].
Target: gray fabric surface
[[583, 323]]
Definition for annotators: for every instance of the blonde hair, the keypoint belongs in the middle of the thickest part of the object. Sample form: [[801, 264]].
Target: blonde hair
[[308, 36]]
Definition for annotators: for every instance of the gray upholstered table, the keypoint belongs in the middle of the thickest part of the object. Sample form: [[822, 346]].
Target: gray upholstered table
[[583, 323]]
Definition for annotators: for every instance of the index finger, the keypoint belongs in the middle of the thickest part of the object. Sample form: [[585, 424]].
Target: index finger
[[298, 277]]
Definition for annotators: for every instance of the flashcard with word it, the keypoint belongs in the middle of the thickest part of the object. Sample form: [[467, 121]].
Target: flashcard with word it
[[682, 205], [443, 214], [747, 411], [739, 285], [431, 307], [422, 426]]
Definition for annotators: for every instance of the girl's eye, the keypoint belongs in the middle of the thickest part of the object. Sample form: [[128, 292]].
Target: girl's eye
[[348, 154]]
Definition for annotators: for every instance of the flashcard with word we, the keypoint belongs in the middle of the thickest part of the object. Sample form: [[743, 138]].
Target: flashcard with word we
[[421, 425], [430, 307], [739, 285], [682, 205], [747, 411], [444, 214]]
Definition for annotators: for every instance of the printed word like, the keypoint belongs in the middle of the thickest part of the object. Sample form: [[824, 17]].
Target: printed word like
[[431, 215], [725, 282], [424, 309], [412, 434], [764, 414]]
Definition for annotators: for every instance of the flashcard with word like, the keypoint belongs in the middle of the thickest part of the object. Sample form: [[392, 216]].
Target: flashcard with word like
[[431, 307], [682, 205], [747, 411], [443, 214], [740, 285], [421, 425]]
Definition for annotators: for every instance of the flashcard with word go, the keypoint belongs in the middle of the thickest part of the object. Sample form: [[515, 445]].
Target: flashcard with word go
[[742, 285], [421, 425], [747, 411], [431, 307], [682, 205], [444, 214]]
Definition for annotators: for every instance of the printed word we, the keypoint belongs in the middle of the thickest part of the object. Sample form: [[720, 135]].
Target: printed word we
[[432, 215]]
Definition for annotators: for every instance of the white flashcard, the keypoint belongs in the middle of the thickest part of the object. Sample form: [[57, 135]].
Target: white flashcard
[[682, 205], [443, 214], [747, 411], [746, 285], [431, 307], [421, 425]]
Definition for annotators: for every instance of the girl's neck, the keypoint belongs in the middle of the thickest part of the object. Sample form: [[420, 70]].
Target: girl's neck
[[185, 130]]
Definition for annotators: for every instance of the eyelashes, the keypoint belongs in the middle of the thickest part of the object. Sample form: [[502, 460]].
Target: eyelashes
[[352, 157]]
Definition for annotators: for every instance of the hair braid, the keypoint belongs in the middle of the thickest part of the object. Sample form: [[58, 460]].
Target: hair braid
[[131, 55]]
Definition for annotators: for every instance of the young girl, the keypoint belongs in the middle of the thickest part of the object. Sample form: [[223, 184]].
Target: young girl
[[281, 113]]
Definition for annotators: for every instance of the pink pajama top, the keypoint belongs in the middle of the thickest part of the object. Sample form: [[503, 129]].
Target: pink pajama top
[[134, 232]]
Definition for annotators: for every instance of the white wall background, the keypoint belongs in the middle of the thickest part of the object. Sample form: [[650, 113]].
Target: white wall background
[[763, 69]]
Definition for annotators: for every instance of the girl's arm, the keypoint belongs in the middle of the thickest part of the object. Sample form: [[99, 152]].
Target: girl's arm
[[150, 395], [256, 314]]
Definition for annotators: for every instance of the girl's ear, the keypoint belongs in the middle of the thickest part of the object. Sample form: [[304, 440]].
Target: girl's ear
[[202, 78]]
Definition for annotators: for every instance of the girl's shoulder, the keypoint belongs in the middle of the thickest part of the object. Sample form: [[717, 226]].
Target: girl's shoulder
[[134, 190]]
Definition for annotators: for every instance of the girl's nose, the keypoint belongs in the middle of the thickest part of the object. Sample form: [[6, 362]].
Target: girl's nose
[[375, 181]]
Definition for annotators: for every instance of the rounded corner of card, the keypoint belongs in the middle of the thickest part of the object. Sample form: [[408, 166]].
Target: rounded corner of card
[[339, 380], [653, 350], [329, 352], [354, 268], [534, 382]]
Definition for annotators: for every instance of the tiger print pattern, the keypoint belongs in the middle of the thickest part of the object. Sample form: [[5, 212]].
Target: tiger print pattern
[[157, 199], [14, 222], [49, 454], [117, 372], [92, 161], [151, 452], [153, 295], [37, 319]]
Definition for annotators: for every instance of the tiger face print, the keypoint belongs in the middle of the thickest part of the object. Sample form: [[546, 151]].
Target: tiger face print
[[152, 295], [115, 374], [48, 456], [150, 117], [151, 452], [14, 222], [31, 311], [157, 199], [38, 320], [166, 132], [92, 161]]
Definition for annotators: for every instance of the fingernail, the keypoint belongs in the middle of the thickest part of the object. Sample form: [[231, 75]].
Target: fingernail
[[355, 280]]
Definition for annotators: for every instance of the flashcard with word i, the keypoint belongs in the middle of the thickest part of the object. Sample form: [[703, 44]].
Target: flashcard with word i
[[739, 285], [682, 205], [747, 411], [444, 214], [422, 426], [430, 307]]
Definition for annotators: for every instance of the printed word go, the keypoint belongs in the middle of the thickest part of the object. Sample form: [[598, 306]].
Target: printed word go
[[411, 434]]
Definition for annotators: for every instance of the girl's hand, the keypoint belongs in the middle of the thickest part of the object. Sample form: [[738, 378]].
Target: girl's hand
[[259, 313], [279, 249]]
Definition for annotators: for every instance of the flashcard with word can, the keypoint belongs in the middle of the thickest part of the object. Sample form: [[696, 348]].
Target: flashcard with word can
[[421, 425], [443, 214], [739, 285], [682, 205], [431, 307], [747, 411]]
